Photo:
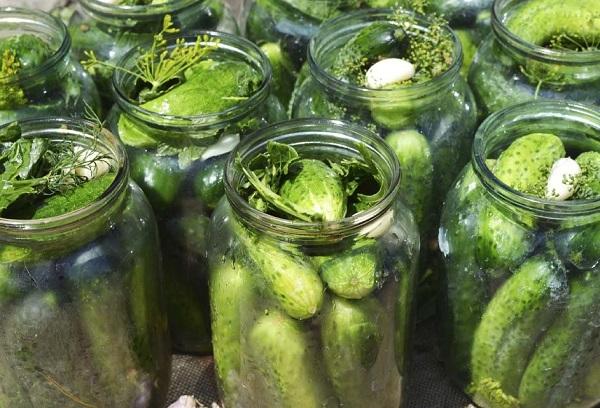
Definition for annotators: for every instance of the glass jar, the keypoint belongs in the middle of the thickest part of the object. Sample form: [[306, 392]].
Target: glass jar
[[341, 352], [57, 85], [110, 30], [83, 319], [430, 124], [520, 313], [179, 161], [515, 64]]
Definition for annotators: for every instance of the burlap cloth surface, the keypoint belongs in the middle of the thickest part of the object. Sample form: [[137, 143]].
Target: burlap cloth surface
[[428, 387]]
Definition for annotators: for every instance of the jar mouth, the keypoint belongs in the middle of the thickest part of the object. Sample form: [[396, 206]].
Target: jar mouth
[[336, 32], [316, 135], [100, 8], [226, 45], [81, 133], [16, 21], [500, 11], [574, 123]]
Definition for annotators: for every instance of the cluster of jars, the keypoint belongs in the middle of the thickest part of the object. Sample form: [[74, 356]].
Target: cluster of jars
[[97, 299]]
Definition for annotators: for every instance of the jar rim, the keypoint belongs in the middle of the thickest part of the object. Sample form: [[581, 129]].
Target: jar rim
[[135, 11], [347, 20], [223, 42], [59, 29], [80, 131], [508, 38], [293, 132], [535, 110]]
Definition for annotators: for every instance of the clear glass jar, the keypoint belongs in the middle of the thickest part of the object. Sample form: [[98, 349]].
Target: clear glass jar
[[110, 30], [185, 184], [441, 112], [514, 64], [83, 318], [522, 274], [341, 352], [56, 86]]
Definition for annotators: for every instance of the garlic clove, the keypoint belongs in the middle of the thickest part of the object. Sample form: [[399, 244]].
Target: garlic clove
[[388, 72], [185, 401], [95, 167], [563, 179]]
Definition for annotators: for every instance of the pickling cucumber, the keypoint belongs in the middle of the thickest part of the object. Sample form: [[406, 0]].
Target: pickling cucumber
[[287, 358], [514, 319], [353, 274], [351, 333], [588, 186], [208, 182], [231, 297], [414, 154], [552, 373], [290, 278], [283, 72]]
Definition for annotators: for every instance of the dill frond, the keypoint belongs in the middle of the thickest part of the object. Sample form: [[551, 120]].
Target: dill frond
[[11, 95], [575, 42]]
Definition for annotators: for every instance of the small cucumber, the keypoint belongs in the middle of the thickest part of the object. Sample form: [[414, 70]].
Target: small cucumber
[[283, 72], [289, 277], [287, 358], [502, 242], [403, 312], [552, 372], [414, 154], [514, 319], [588, 186], [353, 274], [231, 296], [583, 246], [352, 334], [525, 164], [208, 182], [316, 189]]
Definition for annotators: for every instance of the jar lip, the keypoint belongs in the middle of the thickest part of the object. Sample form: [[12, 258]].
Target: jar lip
[[59, 29], [507, 37], [541, 207], [223, 42], [79, 131], [346, 135], [133, 11], [330, 28]]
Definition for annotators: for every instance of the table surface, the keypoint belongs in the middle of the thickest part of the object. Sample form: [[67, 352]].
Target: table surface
[[427, 387]]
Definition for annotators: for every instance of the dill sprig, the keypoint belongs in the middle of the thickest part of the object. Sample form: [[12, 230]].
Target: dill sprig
[[430, 50], [158, 68], [11, 95], [574, 42]]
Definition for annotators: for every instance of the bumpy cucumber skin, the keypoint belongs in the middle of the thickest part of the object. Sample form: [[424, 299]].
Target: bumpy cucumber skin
[[208, 183], [551, 374], [285, 356], [414, 154], [231, 292], [524, 164], [316, 189], [351, 334], [283, 71], [524, 303], [292, 280], [353, 274], [464, 280], [502, 243], [590, 165]]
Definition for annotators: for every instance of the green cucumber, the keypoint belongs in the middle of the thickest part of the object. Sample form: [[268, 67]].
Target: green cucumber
[[208, 183], [414, 154], [353, 274], [403, 311], [592, 379], [588, 186], [553, 370], [514, 319], [291, 279], [352, 334], [287, 358], [283, 71], [524, 165], [231, 296], [502, 242], [583, 248]]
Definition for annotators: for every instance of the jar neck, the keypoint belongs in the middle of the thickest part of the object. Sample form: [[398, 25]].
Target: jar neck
[[123, 16], [225, 47], [79, 133], [538, 62], [315, 138], [577, 125], [336, 33], [17, 21]]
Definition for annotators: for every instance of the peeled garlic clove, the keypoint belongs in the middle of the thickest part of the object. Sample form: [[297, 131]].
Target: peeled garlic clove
[[562, 179], [185, 401], [95, 166], [388, 72]]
